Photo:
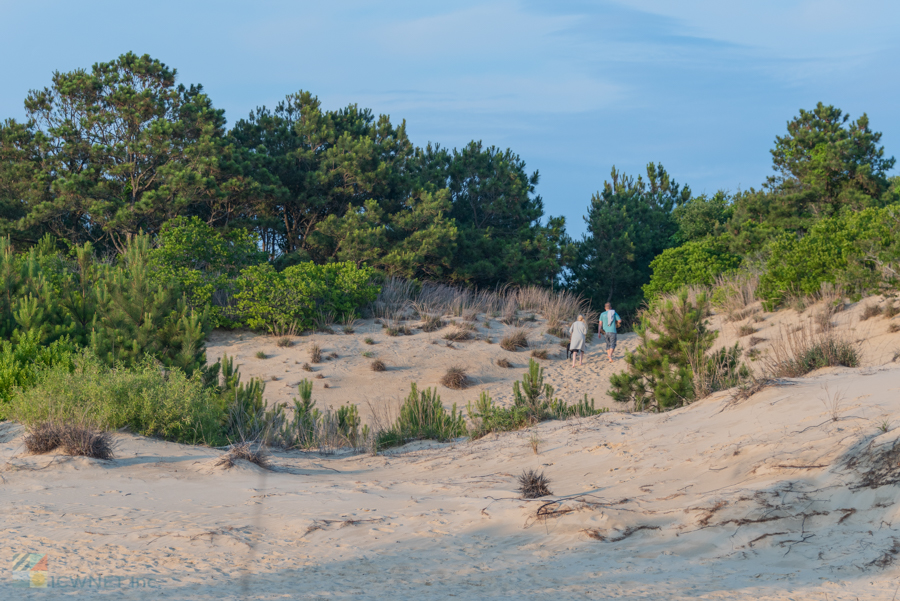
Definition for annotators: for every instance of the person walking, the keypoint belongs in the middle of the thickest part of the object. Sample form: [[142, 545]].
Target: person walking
[[609, 319], [578, 330]]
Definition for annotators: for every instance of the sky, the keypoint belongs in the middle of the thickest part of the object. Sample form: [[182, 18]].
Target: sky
[[573, 87]]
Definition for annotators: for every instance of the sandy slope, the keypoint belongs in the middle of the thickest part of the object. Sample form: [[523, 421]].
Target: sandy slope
[[422, 358], [789, 494]]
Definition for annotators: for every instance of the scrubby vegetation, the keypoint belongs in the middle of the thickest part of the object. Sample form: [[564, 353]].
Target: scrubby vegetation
[[672, 365]]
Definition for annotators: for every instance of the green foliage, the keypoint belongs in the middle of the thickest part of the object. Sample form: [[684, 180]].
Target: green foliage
[[203, 262], [122, 311], [702, 216], [422, 416], [143, 398], [20, 363], [629, 223], [275, 300], [694, 263], [672, 352], [857, 250]]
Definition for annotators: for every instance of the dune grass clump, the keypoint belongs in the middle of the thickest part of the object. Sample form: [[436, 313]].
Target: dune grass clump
[[503, 363], [455, 378], [534, 485], [433, 323], [422, 416], [261, 355], [540, 353], [869, 311], [795, 354], [368, 341], [306, 367], [890, 310], [894, 328], [515, 340], [246, 451], [458, 335], [378, 365], [557, 330], [42, 438], [284, 342], [80, 440], [315, 353], [746, 330]]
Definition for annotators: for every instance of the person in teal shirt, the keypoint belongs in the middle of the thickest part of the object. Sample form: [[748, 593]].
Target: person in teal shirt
[[609, 319]]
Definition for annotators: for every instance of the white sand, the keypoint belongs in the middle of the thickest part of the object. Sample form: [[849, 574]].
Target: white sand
[[753, 499]]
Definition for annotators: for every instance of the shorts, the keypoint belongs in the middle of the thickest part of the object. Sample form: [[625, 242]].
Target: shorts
[[610, 341]]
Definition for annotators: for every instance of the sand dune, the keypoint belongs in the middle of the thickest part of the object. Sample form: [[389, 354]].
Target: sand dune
[[789, 494]]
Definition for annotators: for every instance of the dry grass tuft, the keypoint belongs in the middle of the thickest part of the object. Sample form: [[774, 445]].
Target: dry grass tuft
[[42, 438], [894, 328], [794, 354], [315, 353], [734, 292], [261, 355], [890, 310], [504, 363], [284, 342], [456, 378], [368, 341], [540, 353], [534, 485], [458, 335], [433, 323], [869, 311], [746, 330], [378, 365], [515, 340], [306, 367], [754, 340], [80, 440], [245, 451]]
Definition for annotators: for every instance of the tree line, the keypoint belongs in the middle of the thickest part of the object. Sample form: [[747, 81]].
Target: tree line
[[118, 150]]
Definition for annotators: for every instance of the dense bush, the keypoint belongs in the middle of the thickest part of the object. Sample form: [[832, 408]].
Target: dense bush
[[671, 364], [122, 311], [279, 301], [205, 263], [858, 250], [144, 398], [694, 263]]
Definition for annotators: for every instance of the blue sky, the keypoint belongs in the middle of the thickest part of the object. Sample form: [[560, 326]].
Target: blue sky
[[574, 87]]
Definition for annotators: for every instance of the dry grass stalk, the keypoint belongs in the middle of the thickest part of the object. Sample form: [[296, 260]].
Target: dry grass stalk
[[540, 353], [737, 291], [456, 378], [43, 438], [315, 353], [746, 330], [284, 341], [503, 363], [306, 367], [378, 365]]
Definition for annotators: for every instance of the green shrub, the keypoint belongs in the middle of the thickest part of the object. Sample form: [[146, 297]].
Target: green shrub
[[20, 363], [144, 398], [422, 416], [672, 353], [857, 250], [278, 300], [694, 263], [204, 262]]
